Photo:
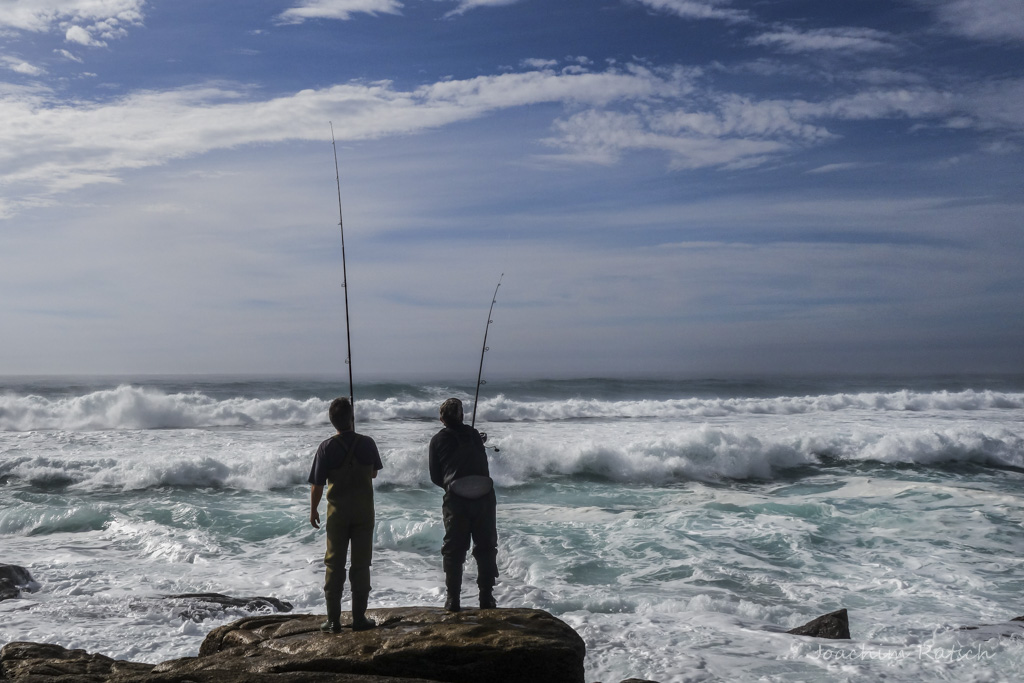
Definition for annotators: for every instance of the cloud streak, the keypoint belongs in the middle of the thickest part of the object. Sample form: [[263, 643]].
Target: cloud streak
[[467, 5], [841, 39], [50, 146], [337, 9], [700, 9], [988, 20]]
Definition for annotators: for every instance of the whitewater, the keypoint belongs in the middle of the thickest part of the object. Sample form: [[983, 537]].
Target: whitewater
[[681, 527]]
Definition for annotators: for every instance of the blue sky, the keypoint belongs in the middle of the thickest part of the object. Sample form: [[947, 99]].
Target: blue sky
[[671, 187]]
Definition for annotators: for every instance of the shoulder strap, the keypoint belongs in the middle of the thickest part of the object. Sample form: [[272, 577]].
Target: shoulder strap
[[351, 450]]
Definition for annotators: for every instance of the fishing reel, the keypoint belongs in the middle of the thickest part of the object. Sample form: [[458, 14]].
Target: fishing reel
[[483, 437]]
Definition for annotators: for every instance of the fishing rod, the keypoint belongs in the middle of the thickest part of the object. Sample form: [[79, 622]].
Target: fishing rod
[[479, 375], [344, 277]]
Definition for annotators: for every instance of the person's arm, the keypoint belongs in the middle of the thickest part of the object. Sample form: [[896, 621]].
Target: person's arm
[[434, 463], [377, 464], [315, 494]]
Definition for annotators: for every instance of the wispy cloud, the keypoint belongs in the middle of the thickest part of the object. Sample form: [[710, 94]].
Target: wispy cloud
[[69, 56], [20, 66], [700, 9], [337, 9], [841, 39], [613, 112], [40, 155], [990, 20], [466, 5], [602, 138], [834, 168]]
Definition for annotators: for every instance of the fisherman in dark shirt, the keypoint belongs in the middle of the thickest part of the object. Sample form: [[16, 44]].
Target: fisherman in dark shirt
[[346, 463], [458, 464]]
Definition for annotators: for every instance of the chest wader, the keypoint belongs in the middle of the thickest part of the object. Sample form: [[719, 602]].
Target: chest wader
[[464, 519], [349, 521]]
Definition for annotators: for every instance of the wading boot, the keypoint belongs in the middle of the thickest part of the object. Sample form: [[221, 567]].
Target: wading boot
[[487, 600], [333, 623], [453, 583], [359, 620]]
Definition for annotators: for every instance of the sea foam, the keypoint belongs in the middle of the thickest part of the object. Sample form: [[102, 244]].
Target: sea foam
[[132, 407]]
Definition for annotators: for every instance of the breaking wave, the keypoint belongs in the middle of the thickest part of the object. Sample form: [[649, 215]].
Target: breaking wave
[[132, 407]]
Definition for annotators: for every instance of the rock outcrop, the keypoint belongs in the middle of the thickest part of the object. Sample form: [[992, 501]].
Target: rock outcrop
[[501, 646], [40, 663], [835, 625], [198, 607], [14, 580], [408, 645]]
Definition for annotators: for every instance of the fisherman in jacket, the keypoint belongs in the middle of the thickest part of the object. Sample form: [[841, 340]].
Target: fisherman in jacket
[[347, 463], [458, 464]]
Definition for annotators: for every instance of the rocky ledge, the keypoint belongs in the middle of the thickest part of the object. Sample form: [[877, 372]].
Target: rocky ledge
[[408, 644]]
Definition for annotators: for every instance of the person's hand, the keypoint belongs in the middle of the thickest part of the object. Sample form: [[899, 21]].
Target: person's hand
[[314, 518], [483, 437]]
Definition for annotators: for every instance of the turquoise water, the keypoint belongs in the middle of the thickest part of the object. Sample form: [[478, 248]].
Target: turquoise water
[[680, 527]]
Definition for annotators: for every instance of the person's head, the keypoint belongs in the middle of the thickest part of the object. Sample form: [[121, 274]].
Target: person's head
[[451, 412], [341, 415]]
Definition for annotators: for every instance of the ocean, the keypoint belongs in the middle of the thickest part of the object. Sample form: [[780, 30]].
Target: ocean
[[680, 526]]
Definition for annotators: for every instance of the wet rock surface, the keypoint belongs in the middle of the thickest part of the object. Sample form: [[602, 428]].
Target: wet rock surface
[[14, 580], [408, 645], [501, 645], [198, 607], [835, 625]]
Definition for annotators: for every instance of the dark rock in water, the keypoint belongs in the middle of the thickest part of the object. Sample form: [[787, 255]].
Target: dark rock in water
[[14, 580], [37, 662], [498, 646], [835, 625], [1014, 628], [202, 606], [19, 576], [8, 591]]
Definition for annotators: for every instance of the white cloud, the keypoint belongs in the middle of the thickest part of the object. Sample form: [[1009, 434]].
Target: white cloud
[[485, 93], [39, 157], [994, 20], [601, 137], [610, 114], [20, 66], [699, 9], [337, 9], [882, 76], [1001, 147], [997, 105], [69, 55], [466, 5], [882, 104], [833, 168], [534, 63], [77, 34], [732, 132], [106, 17], [843, 39]]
